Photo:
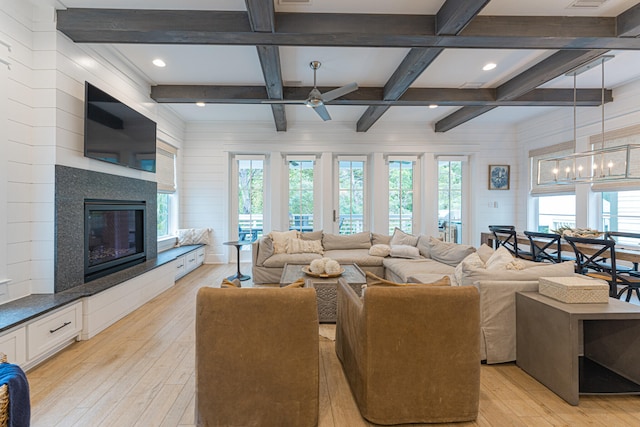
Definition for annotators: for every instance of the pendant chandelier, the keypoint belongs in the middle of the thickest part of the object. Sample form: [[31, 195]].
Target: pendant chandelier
[[603, 164]]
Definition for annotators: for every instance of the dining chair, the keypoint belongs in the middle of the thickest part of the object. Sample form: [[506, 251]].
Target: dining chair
[[597, 258], [546, 247], [505, 235], [616, 235]]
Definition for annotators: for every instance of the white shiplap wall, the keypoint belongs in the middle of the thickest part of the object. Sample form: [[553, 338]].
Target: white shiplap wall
[[205, 181], [44, 115]]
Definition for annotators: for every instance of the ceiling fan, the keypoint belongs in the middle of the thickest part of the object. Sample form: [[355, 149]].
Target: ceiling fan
[[316, 100]]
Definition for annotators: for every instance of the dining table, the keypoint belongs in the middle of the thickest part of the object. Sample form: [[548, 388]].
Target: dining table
[[622, 254]]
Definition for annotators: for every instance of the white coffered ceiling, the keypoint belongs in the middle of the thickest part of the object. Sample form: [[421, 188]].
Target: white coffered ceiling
[[236, 65]]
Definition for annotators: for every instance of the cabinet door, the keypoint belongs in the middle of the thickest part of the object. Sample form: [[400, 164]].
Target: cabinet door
[[53, 329], [181, 266], [14, 345], [200, 256]]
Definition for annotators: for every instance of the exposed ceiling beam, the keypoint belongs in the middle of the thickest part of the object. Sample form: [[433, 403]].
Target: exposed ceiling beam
[[330, 29], [628, 22], [373, 96], [261, 18], [557, 64], [452, 17]]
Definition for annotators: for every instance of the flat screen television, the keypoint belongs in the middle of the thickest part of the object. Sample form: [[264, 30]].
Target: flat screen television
[[116, 133]]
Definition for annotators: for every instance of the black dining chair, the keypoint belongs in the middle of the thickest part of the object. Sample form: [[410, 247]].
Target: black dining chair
[[616, 235], [546, 247], [505, 235], [597, 258]]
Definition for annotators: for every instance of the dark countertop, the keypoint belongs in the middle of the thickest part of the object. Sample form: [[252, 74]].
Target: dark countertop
[[24, 309]]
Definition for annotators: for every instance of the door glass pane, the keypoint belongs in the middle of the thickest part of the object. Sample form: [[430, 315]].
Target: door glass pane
[[450, 201], [301, 195], [351, 197], [250, 200], [401, 196], [555, 212]]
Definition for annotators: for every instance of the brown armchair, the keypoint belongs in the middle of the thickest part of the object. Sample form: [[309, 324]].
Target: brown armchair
[[411, 354], [257, 360]]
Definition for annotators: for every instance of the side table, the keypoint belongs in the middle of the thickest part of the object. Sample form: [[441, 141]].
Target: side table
[[238, 244]]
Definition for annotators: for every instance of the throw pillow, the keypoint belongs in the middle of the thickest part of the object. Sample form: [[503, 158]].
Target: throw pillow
[[380, 250], [401, 238], [471, 261], [499, 260], [331, 242], [193, 236], [373, 280], [380, 239], [423, 246], [297, 284], [311, 235], [265, 250], [299, 246], [449, 253], [280, 239], [226, 283], [484, 252], [404, 251]]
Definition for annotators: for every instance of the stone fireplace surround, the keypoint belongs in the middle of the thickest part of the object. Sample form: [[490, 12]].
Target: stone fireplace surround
[[72, 187]]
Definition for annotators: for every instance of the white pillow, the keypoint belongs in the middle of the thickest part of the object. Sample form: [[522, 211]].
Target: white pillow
[[449, 253], [484, 252], [193, 236], [401, 238], [280, 239], [380, 249], [404, 251], [471, 261], [299, 246], [499, 260]]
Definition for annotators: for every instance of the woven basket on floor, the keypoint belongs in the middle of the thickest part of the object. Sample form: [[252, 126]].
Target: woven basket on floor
[[4, 398]]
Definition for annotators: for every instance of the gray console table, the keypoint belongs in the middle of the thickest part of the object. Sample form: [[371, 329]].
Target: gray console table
[[578, 349]]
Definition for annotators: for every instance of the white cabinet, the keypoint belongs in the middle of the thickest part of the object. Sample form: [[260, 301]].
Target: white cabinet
[[14, 345], [53, 329], [181, 266], [190, 261]]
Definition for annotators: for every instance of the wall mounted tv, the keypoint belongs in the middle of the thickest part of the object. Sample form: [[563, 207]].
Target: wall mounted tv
[[116, 133]]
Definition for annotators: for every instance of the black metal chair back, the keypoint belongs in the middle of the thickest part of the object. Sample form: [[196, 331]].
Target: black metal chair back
[[600, 262], [505, 235], [616, 235], [545, 247]]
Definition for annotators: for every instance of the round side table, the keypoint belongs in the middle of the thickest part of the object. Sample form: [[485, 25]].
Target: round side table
[[238, 244]]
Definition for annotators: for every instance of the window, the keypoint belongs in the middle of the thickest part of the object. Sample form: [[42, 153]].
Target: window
[[450, 200], [250, 199], [555, 212], [401, 195], [621, 211], [301, 195], [166, 180], [351, 203]]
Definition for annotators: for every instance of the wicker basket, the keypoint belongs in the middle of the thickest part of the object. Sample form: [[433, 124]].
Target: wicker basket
[[4, 398]]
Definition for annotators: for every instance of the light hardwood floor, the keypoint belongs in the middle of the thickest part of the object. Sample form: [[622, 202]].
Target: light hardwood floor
[[140, 372]]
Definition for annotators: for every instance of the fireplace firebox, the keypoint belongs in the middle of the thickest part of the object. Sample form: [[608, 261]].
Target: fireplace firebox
[[114, 236]]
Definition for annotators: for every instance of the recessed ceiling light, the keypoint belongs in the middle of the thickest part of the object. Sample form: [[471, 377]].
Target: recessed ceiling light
[[200, 104], [489, 66], [433, 106], [159, 62]]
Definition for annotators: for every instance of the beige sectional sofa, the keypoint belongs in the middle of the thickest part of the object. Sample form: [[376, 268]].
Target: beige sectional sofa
[[496, 274]]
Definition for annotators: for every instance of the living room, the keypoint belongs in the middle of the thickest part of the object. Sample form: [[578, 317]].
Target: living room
[[42, 90]]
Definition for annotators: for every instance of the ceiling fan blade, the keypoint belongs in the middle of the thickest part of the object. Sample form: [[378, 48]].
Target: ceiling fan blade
[[322, 112], [283, 101], [341, 91]]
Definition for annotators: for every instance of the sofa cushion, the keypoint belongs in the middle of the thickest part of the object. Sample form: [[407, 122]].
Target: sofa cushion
[[280, 239], [404, 268], [499, 259], [404, 251], [471, 275], [348, 241], [357, 256], [449, 253], [311, 235], [380, 249], [471, 261], [265, 250], [423, 245], [279, 260], [401, 238], [484, 252], [380, 239], [299, 246]]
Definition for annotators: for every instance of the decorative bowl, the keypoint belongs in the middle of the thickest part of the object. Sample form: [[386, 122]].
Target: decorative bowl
[[308, 272]]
